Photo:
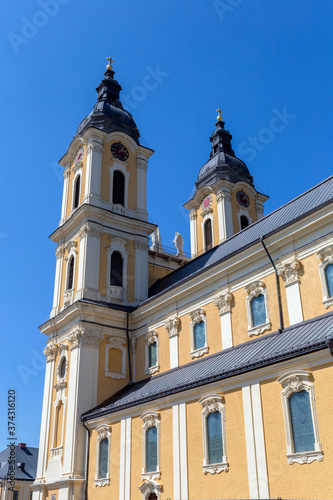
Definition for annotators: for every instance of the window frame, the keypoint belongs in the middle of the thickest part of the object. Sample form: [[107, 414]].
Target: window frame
[[198, 316], [150, 338], [69, 292], [211, 404], [120, 345], [326, 257], [117, 293], [121, 166], [149, 487], [113, 184], [297, 381], [205, 216], [151, 419], [103, 432], [253, 290]]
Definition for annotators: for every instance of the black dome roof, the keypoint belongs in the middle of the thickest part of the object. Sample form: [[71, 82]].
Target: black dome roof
[[108, 113], [223, 163]]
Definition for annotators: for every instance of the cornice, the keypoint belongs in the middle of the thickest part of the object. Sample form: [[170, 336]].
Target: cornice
[[107, 220]]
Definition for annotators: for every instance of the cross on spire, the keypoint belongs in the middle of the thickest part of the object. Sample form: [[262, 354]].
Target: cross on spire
[[219, 116], [109, 66]]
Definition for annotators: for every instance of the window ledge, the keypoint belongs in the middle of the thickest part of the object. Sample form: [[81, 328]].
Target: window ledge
[[215, 468], [102, 481], [328, 302], [152, 369], [149, 476], [256, 330], [115, 375], [305, 457], [199, 352]]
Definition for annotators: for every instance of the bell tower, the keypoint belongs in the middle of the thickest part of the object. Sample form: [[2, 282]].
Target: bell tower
[[225, 200], [101, 273]]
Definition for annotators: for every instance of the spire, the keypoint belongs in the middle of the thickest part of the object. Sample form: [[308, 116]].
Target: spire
[[108, 113], [221, 138], [222, 163]]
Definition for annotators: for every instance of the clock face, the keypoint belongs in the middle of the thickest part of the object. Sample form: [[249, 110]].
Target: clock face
[[243, 199], [206, 203], [119, 151], [79, 155]]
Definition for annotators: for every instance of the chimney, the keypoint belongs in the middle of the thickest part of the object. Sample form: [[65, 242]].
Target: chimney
[[21, 466], [22, 445]]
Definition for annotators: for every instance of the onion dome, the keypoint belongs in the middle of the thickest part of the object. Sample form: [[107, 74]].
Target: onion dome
[[108, 113], [222, 163]]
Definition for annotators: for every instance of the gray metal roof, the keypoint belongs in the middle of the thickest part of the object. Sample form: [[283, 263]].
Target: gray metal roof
[[28, 455], [305, 337], [300, 207]]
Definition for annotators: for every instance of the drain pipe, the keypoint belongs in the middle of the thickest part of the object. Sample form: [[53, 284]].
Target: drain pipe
[[87, 460], [277, 285], [128, 348]]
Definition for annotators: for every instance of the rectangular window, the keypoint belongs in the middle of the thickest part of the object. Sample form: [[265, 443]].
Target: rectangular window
[[103, 458], [152, 354], [199, 335], [329, 279], [151, 449], [15, 495], [258, 310], [301, 420], [215, 445]]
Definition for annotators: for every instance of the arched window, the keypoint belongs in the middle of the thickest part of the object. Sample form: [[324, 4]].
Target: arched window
[[152, 496], [301, 421], [329, 279], [116, 278], [62, 367], [118, 190], [214, 438], [70, 274], [152, 354], [258, 310], [103, 458], [151, 449], [76, 198], [199, 335], [208, 235], [244, 221]]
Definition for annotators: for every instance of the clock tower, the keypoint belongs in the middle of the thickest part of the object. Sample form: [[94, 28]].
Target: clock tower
[[225, 201], [101, 275]]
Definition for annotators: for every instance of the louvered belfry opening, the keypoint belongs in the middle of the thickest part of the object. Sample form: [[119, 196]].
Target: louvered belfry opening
[[116, 278], [77, 192], [208, 235], [118, 192]]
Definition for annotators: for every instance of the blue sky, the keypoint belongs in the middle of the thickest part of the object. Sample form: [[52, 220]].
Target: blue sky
[[257, 60]]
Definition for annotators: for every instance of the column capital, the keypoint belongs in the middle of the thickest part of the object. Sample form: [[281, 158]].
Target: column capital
[[290, 272], [193, 214], [81, 336], [94, 231], [60, 252], [172, 326], [223, 193], [141, 245], [50, 352], [142, 163], [95, 146], [224, 302], [67, 172]]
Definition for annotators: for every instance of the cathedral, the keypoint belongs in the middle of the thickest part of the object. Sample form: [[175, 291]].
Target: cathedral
[[171, 377]]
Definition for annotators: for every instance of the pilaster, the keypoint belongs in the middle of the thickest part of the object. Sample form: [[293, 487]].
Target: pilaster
[[57, 282], [290, 274], [89, 254], [141, 270], [65, 195], [92, 192], [142, 166], [224, 304], [224, 210], [193, 230], [173, 327]]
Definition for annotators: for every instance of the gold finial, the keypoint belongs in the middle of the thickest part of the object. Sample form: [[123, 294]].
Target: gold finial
[[109, 66], [219, 116]]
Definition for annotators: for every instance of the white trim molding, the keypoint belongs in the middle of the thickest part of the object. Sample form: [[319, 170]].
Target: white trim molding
[[254, 290], [150, 338], [119, 345], [326, 257], [117, 293], [198, 316], [224, 302], [211, 404], [150, 419], [290, 273], [103, 432], [149, 487], [193, 231], [297, 381], [172, 325]]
